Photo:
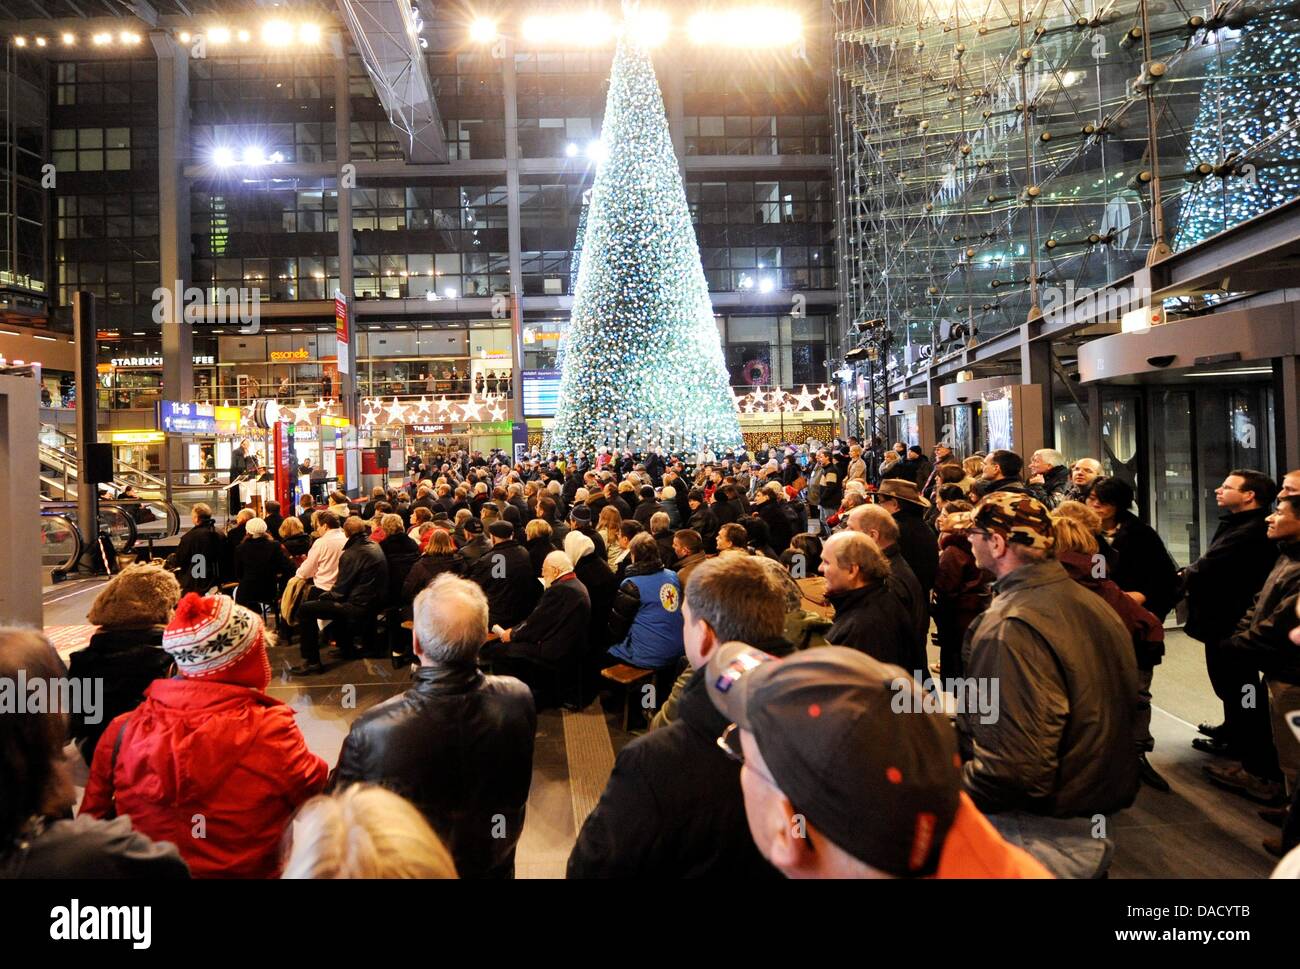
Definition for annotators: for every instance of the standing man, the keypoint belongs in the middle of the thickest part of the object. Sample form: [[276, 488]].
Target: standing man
[[239, 460], [916, 539], [825, 488], [857, 466], [1059, 749], [943, 454], [1220, 587], [1049, 477], [1082, 474]]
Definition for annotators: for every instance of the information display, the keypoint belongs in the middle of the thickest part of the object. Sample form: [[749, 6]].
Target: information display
[[541, 392]]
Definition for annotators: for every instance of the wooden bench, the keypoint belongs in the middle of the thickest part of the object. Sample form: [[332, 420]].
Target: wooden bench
[[628, 678]]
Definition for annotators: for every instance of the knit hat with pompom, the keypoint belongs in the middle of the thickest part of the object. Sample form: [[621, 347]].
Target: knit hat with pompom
[[211, 638]]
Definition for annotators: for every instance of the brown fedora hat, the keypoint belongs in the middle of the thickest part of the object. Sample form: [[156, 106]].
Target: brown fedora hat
[[902, 490]]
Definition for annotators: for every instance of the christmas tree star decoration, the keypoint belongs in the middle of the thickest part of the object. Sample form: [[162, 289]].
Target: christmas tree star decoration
[[323, 405], [642, 349], [805, 399]]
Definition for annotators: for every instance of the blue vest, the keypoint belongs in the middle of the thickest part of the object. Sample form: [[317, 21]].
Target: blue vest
[[655, 639]]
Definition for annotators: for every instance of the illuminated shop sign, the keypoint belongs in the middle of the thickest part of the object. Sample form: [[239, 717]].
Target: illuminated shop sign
[[199, 361]]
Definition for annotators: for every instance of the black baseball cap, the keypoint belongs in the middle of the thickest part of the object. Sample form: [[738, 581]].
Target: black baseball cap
[[474, 527], [851, 744], [501, 529]]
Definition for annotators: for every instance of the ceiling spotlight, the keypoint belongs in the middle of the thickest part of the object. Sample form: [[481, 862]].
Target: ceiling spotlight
[[184, 36], [483, 31], [20, 41], [570, 149], [223, 156], [253, 156], [449, 293], [309, 33], [129, 37], [244, 36], [102, 40], [69, 39], [40, 41], [219, 35]]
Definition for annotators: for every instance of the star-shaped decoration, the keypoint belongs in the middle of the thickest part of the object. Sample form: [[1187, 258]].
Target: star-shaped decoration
[[748, 405], [302, 413], [739, 400], [441, 405], [498, 412], [396, 412], [423, 406], [805, 399], [368, 418], [471, 407], [789, 407], [323, 405], [825, 392]]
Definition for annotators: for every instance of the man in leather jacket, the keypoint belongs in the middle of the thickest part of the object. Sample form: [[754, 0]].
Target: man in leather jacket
[[1057, 746], [458, 744]]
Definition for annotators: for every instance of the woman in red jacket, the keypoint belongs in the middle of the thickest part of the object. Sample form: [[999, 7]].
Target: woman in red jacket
[[208, 761]]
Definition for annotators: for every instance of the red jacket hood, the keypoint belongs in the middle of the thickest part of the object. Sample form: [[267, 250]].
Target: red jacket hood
[[199, 732]]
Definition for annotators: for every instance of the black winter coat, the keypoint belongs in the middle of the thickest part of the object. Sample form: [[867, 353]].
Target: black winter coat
[[673, 807], [126, 661], [296, 545], [90, 848], [1142, 564], [779, 530], [555, 632], [601, 586], [363, 575], [706, 523], [505, 573], [202, 557], [874, 621], [401, 553], [1221, 584], [259, 564], [459, 746], [425, 570], [538, 549], [904, 584], [919, 544]]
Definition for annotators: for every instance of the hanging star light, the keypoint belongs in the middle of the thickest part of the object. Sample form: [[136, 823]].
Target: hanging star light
[[423, 406], [302, 414], [498, 412], [441, 405], [471, 407], [642, 350], [805, 399], [396, 412]]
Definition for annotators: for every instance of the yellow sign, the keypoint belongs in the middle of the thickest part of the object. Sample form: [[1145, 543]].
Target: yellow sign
[[136, 437], [330, 421], [227, 419], [281, 356]]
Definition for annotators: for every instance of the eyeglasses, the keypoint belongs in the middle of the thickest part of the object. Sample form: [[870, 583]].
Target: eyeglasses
[[730, 744]]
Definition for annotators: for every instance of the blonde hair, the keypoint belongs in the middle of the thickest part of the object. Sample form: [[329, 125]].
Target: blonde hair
[[973, 466], [538, 526], [609, 521], [439, 542], [290, 526], [364, 832], [1075, 526]]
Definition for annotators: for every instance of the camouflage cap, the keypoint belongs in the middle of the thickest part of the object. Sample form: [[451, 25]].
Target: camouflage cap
[[1018, 517]]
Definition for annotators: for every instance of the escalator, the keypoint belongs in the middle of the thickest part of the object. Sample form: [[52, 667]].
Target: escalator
[[128, 526], [59, 473]]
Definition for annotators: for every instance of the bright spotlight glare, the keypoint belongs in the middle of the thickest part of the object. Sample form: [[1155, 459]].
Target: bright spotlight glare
[[746, 27], [40, 41], [309, 33], [223, 156], [129, 37], [20, 41], [597, 151], [253, 156], [649, 28], [449, 293], [277, 157], [184, 37], [571, 149], [219, 35], [69, 39], [588, 29], [765, 285], [430, 295], [277, 33], [244, 36], [483, 31]]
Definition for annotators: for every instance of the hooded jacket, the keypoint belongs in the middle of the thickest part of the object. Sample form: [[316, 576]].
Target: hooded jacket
[[646, 619], [1061, 741], [229, 753]]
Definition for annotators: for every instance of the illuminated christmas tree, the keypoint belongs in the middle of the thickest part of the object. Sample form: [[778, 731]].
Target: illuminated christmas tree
[[643, 364], [1249, 107]]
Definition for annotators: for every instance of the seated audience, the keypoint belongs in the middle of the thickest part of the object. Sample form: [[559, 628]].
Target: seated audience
[[646, 619]]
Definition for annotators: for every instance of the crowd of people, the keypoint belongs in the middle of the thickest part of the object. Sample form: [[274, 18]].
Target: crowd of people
[[782, 606]]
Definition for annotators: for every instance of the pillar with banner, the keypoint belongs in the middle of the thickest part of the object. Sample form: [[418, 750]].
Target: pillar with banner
[[287, 487]]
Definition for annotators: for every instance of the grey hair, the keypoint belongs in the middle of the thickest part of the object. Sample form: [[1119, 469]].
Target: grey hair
[[558, 560], [1052, 456], [451, 620], [659, 522]]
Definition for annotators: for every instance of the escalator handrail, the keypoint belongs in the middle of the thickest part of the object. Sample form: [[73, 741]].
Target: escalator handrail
[[78, 542], [126, 507], [132, 532]]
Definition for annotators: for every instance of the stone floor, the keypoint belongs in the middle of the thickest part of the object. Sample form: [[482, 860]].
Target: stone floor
[[1197, 831]]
